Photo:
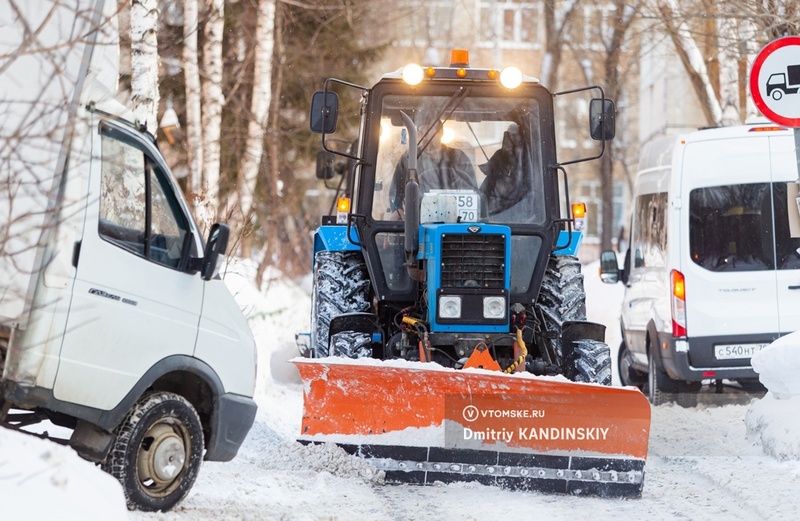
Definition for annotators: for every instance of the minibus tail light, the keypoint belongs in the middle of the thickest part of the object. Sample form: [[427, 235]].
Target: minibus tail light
[[678, 300]]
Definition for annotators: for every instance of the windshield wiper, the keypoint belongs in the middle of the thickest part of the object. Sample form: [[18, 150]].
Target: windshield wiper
[[451, 106]]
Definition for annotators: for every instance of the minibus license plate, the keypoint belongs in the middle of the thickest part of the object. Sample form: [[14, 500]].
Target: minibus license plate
[[731, 351]]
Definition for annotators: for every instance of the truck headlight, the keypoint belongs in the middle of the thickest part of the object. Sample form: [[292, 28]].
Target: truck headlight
[[449, 306], [494, 307]]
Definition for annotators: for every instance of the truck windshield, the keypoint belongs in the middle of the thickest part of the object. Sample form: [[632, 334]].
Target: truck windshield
[[479, 159]]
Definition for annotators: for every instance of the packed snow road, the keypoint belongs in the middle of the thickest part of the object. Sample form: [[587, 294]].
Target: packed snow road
[[700, 466], [701, 463]]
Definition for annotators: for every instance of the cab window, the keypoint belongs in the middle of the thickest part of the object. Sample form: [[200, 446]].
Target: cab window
[[138, 209]]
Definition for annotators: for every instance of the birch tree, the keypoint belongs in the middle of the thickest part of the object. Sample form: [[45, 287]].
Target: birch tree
[[144, 61], [194, 134], [259, 110], [692, 58], [212, 100]]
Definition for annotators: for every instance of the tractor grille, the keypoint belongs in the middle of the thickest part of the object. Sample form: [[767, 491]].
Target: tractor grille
[[473, 260]]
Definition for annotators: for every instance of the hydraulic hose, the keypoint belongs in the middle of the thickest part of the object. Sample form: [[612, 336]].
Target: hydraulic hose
[[523, 354]]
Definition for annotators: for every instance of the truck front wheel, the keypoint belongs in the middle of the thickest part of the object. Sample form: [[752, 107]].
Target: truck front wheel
[[662, 389], [157, 452]]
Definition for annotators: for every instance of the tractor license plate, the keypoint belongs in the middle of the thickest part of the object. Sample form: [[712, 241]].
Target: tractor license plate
[[732, 351]]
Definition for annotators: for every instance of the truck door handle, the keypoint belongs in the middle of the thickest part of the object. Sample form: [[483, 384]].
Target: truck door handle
[[794, 287]]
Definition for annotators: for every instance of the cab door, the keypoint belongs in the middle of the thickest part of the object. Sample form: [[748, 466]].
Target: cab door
[[134, 303], [787, 231]]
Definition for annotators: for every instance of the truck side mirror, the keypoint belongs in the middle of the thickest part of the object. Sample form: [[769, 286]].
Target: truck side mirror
[[215, 246], [324, 112], [609, 269], [602, 119]]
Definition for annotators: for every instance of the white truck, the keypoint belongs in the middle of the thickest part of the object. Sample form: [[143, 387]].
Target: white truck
[[113, 320], [712, 275]]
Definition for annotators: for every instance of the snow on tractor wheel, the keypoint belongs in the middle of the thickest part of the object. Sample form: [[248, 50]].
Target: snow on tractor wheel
[[562, 297], [340, 285], [351, 344], [157, 452], [589, 361]]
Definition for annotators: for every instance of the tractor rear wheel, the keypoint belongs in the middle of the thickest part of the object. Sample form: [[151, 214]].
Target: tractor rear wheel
[[340, 285]]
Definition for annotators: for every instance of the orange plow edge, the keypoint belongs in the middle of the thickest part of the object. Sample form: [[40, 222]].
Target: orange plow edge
[[421, 423]]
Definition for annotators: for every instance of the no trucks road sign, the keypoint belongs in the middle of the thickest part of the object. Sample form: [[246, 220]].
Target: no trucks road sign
[[775, 81]]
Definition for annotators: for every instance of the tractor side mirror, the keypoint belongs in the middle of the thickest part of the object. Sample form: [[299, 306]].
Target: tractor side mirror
[[325, 167], [602, 124], [324, 112]]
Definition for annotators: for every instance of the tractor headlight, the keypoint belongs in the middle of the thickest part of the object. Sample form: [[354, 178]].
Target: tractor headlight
[[412, 74], [511, 77], [494, 307], [449, 306]]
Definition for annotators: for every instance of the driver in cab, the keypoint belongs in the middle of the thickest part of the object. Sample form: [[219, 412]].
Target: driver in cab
[[438, 167]]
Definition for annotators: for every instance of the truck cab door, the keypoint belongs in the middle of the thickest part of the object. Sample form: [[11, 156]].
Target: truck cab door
[[134, 303]]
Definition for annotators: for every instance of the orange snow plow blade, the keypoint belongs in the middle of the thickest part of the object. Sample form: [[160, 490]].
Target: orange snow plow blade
[[422, 423]]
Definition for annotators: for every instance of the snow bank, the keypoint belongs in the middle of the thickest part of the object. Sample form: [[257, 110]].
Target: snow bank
[[775, 419], [42, 480], [776, 424], [778, 366], [275, 314]]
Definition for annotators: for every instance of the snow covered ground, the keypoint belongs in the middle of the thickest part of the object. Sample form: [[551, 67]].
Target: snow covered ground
[[732, 457]]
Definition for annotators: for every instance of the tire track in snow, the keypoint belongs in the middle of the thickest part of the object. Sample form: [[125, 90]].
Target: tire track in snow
[[701, 455]]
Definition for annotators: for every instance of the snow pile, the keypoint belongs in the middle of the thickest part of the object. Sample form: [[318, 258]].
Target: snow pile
[[775, 419], [776, 424], [778, 366], [322, 457], [42, 480], [275, 315]]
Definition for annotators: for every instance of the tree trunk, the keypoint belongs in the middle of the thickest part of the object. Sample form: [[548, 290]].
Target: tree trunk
[[212, 102], [273, 249], [622, 21], [556, 22], [194, 124], [259, 111], [728, 66], [693, 61], [144, 62]]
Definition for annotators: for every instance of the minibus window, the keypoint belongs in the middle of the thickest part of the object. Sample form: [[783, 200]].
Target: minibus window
[[731, 227]]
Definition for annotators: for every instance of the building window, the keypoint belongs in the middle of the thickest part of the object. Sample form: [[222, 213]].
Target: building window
[[592, 26], [511, 25]]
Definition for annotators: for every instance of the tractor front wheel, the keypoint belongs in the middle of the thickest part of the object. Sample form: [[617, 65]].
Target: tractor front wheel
[[588, 361]]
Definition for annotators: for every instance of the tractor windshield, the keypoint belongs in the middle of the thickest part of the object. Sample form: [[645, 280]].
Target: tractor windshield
[[478, 159]]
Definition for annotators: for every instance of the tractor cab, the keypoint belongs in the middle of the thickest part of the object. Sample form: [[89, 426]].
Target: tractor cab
[[484, 154]]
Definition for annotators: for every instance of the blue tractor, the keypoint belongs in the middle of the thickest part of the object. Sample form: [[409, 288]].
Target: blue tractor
[[452, 242]]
